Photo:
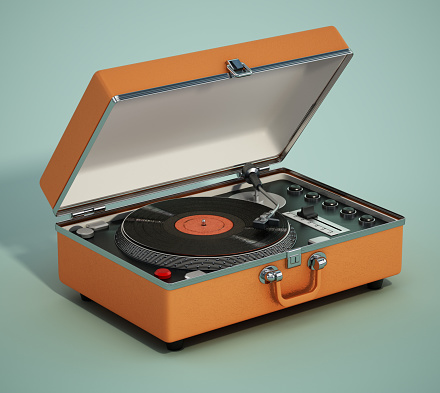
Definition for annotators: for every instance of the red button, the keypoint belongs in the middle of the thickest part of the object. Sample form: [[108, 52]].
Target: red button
[[163, 274]]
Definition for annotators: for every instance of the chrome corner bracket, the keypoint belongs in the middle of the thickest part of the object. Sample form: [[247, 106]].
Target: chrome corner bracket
[[237, 68], [270, 274]]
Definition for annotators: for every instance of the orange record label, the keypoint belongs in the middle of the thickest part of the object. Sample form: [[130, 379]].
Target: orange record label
[[203, 225]]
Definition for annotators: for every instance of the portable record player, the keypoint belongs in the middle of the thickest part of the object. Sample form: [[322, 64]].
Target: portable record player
[[170, 214]]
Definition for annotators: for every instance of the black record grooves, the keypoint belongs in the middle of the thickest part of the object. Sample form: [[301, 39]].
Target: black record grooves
[[154, 227]]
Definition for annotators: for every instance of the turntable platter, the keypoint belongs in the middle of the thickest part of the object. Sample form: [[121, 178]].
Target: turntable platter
[[189, 228]]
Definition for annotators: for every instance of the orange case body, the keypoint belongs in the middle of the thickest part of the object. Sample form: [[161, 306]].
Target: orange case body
[[175, 314]]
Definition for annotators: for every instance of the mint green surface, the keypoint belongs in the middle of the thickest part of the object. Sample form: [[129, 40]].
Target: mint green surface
[[375, 136]]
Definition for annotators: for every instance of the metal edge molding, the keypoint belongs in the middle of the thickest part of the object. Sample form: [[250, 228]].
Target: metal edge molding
[[176, 86]]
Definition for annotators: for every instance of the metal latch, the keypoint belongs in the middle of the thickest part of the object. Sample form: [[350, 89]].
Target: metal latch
[[293, 258], [237, 68], [88, 212]]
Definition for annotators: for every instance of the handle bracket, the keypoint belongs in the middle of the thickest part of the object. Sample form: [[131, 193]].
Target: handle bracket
[[270, 274]]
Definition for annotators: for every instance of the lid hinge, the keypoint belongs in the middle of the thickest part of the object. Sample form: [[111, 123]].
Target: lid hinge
[[88, 212], [258, 169], [237, 68]]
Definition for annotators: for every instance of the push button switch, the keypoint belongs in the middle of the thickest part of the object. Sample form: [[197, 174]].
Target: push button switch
[[312, 197], [348, 212], [295, 189], [163, 274], [329, 204], [367, 221]]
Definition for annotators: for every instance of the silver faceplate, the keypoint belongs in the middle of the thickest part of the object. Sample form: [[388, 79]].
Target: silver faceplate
[[320, 224]]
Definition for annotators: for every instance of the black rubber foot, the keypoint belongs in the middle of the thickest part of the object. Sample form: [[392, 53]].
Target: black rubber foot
[[85, 298], [375, 284], [175, 346]]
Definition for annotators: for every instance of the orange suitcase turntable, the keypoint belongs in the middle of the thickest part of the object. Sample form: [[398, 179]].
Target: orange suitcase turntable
[[173, 219]]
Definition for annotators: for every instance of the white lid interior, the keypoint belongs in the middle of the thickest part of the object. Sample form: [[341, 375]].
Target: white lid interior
[[184, 133]]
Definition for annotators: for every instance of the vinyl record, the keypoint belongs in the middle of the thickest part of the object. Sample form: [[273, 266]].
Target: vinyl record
[[201, 227]]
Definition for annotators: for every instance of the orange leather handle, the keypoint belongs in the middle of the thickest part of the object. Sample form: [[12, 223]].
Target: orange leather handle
[[301, 298]]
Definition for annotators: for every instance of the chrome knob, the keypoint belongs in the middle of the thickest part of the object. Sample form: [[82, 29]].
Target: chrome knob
[[270, 274], [317, 261]]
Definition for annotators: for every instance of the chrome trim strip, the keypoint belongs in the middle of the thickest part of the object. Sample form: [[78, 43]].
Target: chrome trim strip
[[176, 86], [289, 63]]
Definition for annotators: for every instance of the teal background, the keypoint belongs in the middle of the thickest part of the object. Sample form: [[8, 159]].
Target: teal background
[[375, 136]]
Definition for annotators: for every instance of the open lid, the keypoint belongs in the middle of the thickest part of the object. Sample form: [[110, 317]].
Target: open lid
[[172, 134]]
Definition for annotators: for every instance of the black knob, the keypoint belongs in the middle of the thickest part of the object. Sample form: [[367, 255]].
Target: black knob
[[329, 204], [312, 197], [367, 221], [348, 212], [295, 189], [75, 228]]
